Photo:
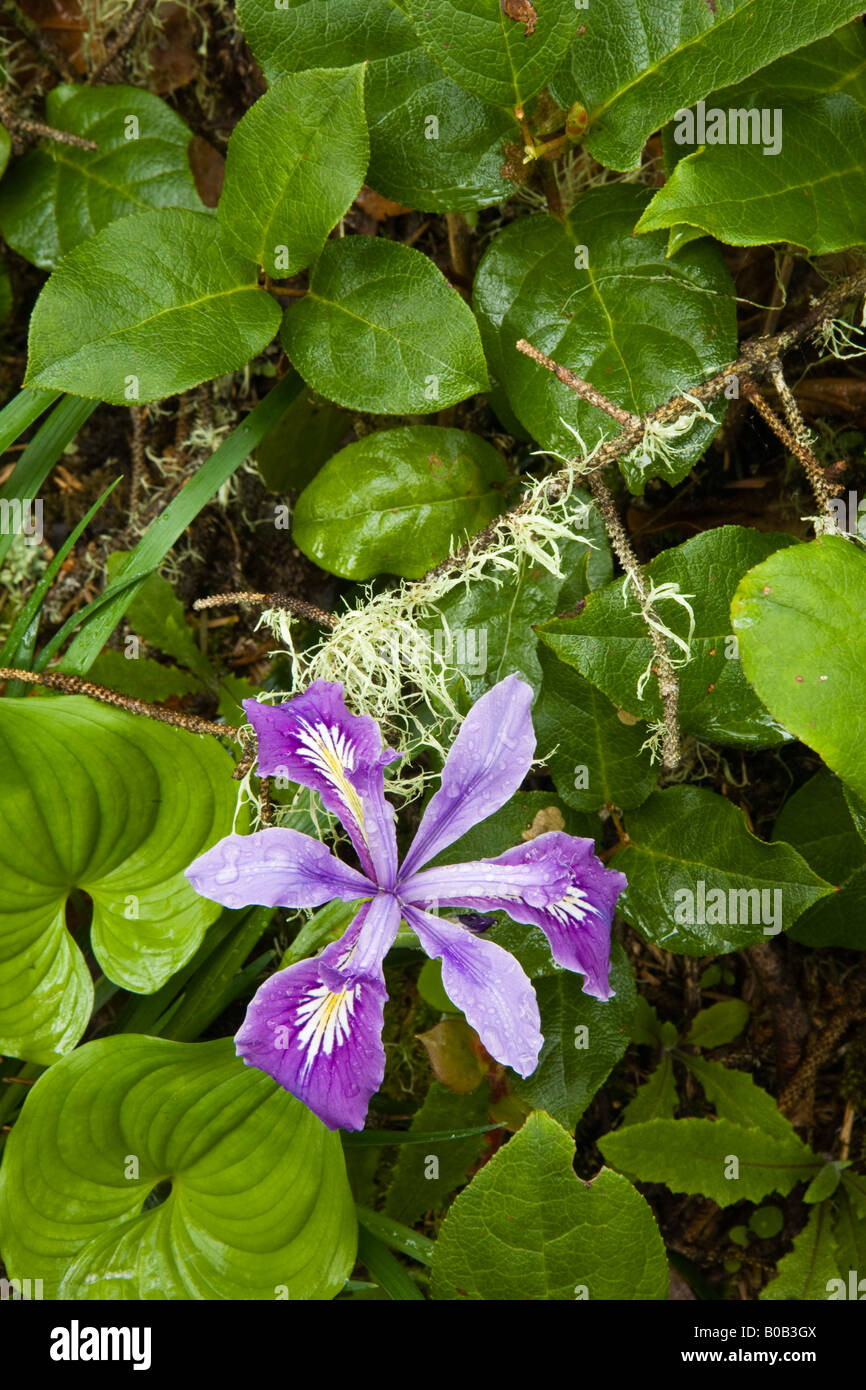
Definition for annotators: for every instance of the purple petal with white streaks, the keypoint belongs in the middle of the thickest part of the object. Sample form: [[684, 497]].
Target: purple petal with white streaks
[[275, 868]]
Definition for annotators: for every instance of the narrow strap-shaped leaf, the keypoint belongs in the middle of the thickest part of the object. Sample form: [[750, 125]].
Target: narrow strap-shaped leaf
[[396, 1236], [19, 413], [43, 451], [385, 1269]]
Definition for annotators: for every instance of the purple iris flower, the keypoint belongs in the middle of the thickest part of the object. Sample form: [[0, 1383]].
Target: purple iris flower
[[316, 1026]]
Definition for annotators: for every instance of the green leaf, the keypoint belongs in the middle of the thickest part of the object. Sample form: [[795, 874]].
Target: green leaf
[[499, 58], [96, 799], [609, 644], [612, 309], [259, 1206], [302, 440], [766, 1222], [700, 883], [528, 1228], [382, 330], [850, 1235], [718, 1159], [141, 677], [664, 59], [419, 1185], [5, 149], [719, 1024], [295, 162], [186, 309], [584, 1039], [824, 1184], [798, 617], [656, 1099], [736, 1097], [157, 615], [58, 196], [805, 1273], [598, 759], [818, 822], [445, 164], [387, 1271], [765, 189], [487, 628], [397, 501]]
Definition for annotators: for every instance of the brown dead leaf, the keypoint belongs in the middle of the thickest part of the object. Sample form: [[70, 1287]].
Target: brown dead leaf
[[208, 169], [377, 207], [548, 818], [522, 12], [456, 1055]]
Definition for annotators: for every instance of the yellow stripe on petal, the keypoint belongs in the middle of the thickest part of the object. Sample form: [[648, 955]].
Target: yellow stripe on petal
[[325, 1017], [333, 755]]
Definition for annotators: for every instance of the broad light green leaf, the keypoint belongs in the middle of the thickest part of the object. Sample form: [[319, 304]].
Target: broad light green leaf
[[719, 1024], [488, 628], [295, 162], [699, 883], [96, 799], [58, 196], [433, 145], [584, 1039], [419, 1186], [505, 60], [716, 1158], [736, 1097], [610, 307], [185, 309], [396, 501], [526, 1227], [598, 759], [805, 1273], [259, 1206], [763, 188], [636, 62], [382, 330], [609, 645], [799, 619]]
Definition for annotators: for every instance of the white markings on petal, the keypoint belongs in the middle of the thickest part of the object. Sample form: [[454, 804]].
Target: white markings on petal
[[332, 754], [325, 1020], [572, 907]]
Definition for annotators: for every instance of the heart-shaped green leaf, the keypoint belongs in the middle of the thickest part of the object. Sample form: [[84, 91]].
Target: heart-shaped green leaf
[[608, 642], [395, 501], [610, 307], [502, 50], [295, 161], [433, 145], [382, 330], [699, 883], [185, 309], [59, 195], [799, 621], [664, 58], [763, 187], [259, 1206], [96, 799], [526, 1227]]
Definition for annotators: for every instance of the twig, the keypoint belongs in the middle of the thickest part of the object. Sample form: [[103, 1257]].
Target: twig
[[139, 416], [584, 389], [45, 46], [74, 685], [812, 468], [24, 131], [297, 606], [124, 33]]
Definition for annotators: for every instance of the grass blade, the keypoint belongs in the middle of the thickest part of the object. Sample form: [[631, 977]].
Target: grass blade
[[42, 453], [19, 413]]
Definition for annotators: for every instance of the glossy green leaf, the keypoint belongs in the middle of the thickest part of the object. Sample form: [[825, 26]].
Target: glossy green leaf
[[764, 188], [664, 58], [488, 628], [799, 620], [185, 309], [584, 1038], [295, 162], [719, 1024], [382, 330], [526, 1227], [397, 501], [805, 1273], [95, 799], [433, 145], [716, 1158], [609, 645], [503, 52], [419, 1185], [700, 883], [598, 759], [817, 821], [610, 307], [57, 196], [259, 1206]]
